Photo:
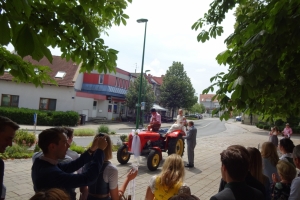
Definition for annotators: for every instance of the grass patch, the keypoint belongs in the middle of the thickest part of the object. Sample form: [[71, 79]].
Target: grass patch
[[115, 148], [84, 132], [16, 151], [103, 129]]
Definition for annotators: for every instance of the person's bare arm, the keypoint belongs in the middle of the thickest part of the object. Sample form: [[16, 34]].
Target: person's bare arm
[[149, 194], [130, 176]]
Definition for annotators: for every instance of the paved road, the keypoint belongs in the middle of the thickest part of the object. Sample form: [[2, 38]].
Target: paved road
[[205, 127]]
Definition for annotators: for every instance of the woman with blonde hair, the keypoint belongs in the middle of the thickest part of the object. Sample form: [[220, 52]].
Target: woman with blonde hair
[[256, 169], [169, 182], [281, 189], [51, 194], [106, 186], [269, 158]]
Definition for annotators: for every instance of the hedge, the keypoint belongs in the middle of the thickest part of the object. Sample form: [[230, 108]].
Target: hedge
[[44, 118]]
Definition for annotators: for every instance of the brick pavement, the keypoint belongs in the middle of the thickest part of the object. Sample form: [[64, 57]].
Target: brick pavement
[[203, 179]]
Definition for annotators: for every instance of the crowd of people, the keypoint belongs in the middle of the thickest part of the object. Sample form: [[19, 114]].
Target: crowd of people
[[247, 173]]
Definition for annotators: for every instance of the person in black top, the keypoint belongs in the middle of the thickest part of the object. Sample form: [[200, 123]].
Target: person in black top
[[234, 169], [8, 130]]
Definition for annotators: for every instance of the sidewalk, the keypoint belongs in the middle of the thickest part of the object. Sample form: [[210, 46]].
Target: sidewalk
[[203, 179]]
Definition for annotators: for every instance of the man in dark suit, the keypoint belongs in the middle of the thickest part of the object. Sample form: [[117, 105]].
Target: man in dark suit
[[191, 143], [234, 169]]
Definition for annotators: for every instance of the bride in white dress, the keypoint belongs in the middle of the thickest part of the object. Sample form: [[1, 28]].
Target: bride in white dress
[[180, 122]]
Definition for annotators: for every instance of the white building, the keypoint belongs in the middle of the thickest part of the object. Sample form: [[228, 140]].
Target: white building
[[93, 94]]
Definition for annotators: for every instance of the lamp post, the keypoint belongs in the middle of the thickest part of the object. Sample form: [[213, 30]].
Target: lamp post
[[141, 81], [144, 94]]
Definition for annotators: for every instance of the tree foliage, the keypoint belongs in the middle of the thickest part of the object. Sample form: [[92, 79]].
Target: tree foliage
[[147, 94], [74, 26], [197, 108], [262, 55], [177, 90]]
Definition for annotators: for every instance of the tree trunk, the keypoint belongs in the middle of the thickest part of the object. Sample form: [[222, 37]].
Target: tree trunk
[[173, 114]]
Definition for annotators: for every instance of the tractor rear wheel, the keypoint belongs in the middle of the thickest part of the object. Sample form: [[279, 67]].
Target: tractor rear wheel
[[122, 155], [176, 145], [153, 160]]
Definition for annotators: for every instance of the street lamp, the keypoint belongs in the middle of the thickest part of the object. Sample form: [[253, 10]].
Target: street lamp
[[144, 94], [141, 81]]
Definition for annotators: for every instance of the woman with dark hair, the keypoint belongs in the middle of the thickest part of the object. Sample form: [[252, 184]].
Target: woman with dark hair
[[269, 158], [273, 135], [106, 186], [256, 170], [286, 147]]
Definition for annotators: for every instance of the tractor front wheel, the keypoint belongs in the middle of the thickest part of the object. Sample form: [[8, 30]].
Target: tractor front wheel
[[176, 145], [122, 155], [153, 160]]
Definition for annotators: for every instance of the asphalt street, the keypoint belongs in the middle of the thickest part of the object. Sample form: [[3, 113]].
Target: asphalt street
[[205, 127]]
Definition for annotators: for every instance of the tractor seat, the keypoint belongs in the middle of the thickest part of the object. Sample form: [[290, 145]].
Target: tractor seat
[[163, 132]]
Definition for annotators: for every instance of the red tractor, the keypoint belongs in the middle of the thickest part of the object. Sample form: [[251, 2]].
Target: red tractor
[[152, 146]]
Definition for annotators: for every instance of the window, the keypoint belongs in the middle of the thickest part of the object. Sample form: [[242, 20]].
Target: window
[[47, 104], [123, 83], [116, 82], [10, 100], [119, 82], [101, 78], [60, 74]]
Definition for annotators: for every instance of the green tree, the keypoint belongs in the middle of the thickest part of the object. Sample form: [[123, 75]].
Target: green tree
[[133, 93], [74, 26], [262, 55], [177, 90], [197, 108]]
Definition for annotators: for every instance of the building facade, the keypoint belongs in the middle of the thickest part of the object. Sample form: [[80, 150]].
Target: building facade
[[93, 94], [209, 104]]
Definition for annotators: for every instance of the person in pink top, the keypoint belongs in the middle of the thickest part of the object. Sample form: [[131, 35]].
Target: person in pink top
[[287, 131], [155, 121]]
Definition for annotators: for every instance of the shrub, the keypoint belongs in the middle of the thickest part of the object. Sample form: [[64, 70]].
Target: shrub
[[103, 129], [46, 118], [84, 132], [123, 137], [37, 148], [266, 127], [16, 151], [23, 137], [76, 148], [112, 133]]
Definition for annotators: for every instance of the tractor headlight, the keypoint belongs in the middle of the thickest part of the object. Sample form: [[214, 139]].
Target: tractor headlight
[[148, 142]]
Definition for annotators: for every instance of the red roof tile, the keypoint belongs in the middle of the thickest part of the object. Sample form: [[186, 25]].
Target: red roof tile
[[58, 64], [203, 97]]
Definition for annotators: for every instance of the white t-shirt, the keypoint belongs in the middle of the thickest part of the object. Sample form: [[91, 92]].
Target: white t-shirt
[[295, 192], [283, 157], [110, 176]]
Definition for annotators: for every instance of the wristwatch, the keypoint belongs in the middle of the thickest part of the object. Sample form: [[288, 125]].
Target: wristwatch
[[90, 151]]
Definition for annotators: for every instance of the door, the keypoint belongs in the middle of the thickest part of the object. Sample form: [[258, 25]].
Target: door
[[85, 112], [94, 111], [109, 112]]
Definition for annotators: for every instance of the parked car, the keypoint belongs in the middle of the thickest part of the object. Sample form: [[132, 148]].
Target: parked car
[[238, 118], [200, 116]]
